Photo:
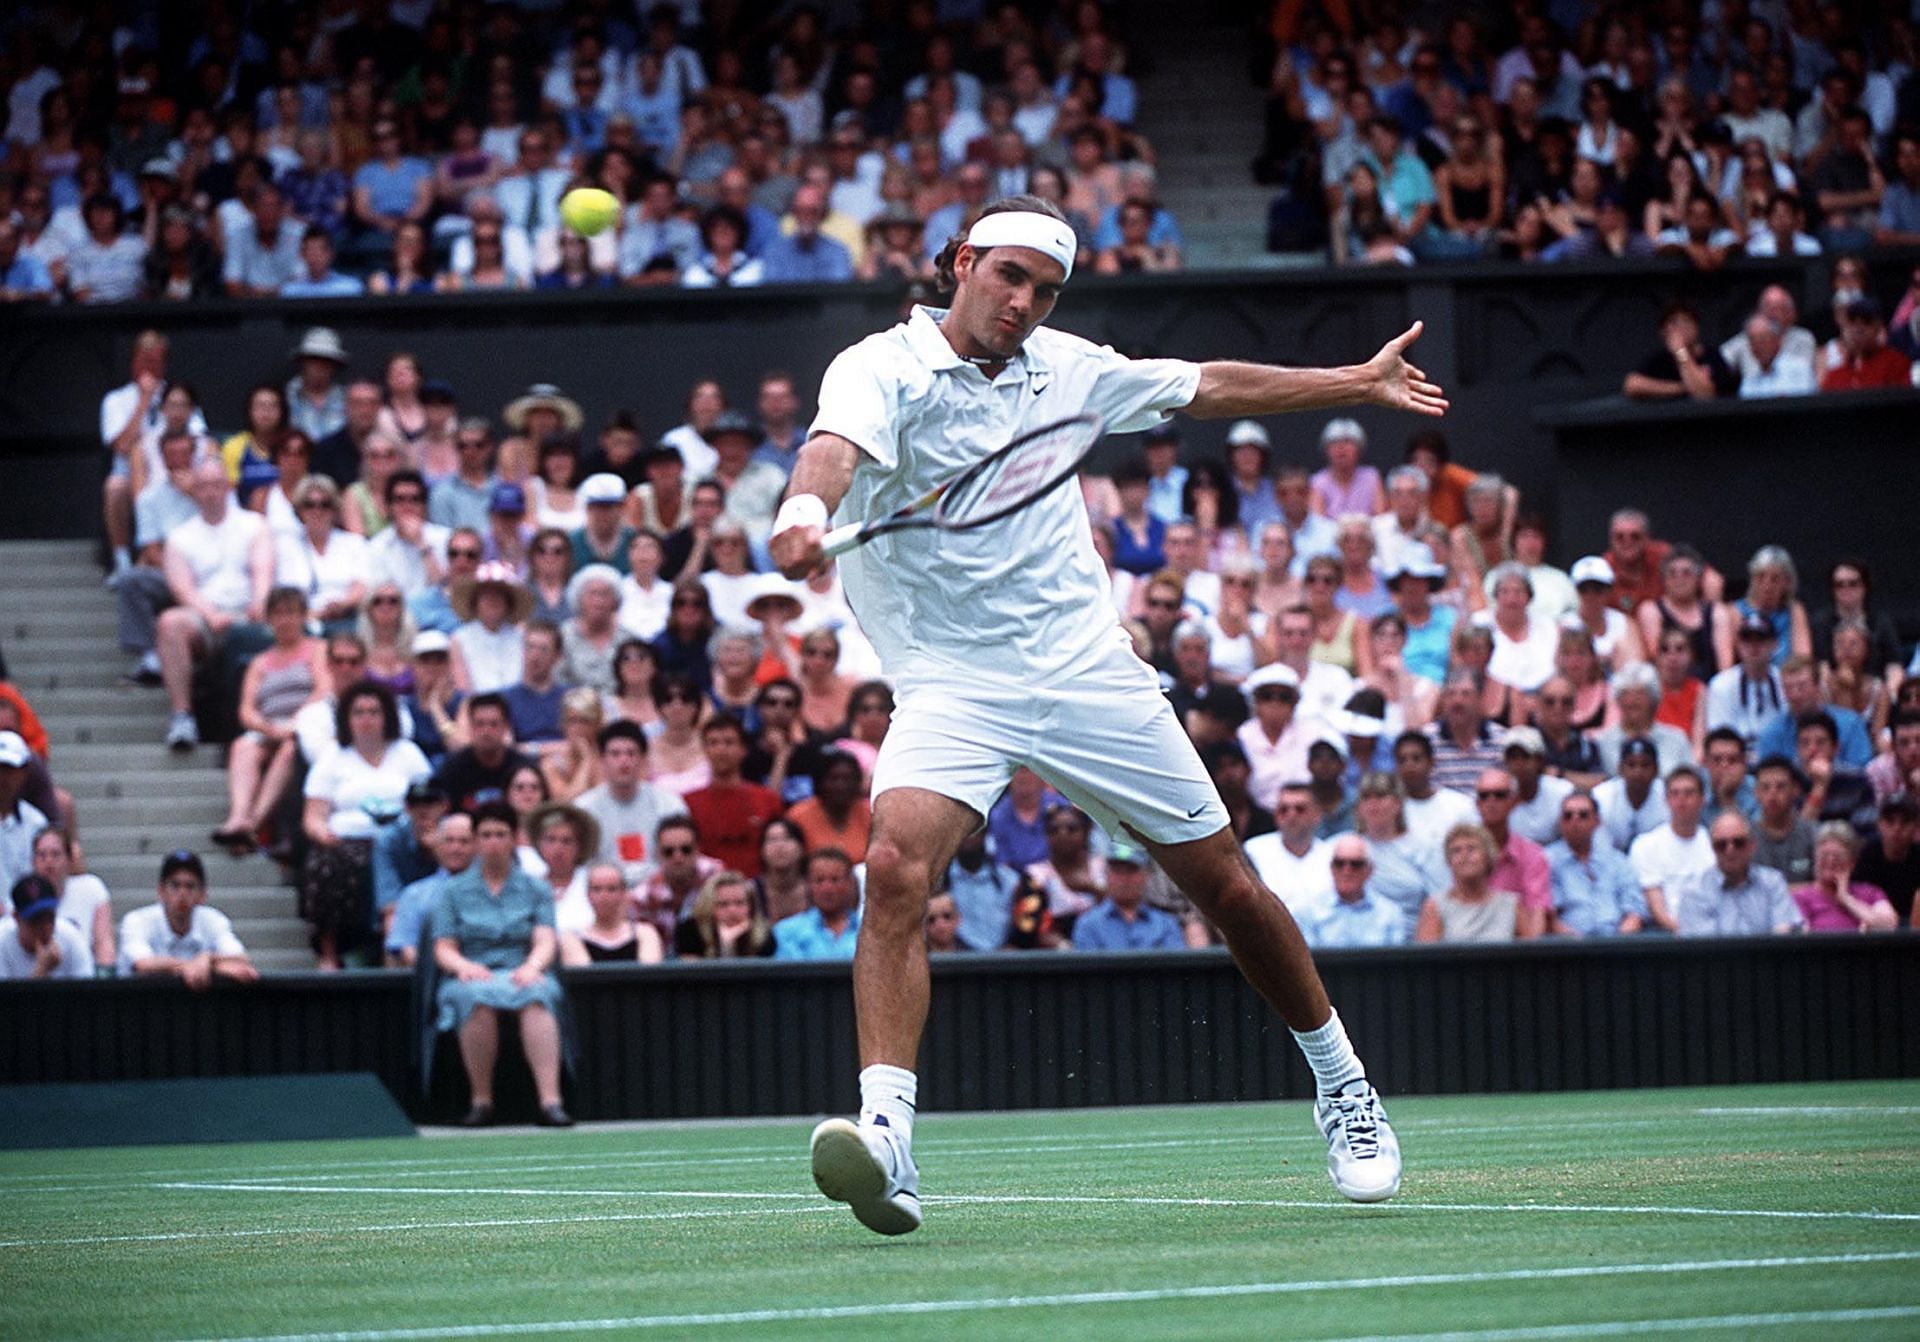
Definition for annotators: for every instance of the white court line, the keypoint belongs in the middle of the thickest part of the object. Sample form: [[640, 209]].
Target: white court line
[[1082, 1298], [758, 1155], [1630, 1327], [409, 1227], [1402, 1207], [1806, 1110]]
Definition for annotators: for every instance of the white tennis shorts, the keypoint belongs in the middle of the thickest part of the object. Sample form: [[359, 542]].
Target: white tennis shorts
[[1106, 737]]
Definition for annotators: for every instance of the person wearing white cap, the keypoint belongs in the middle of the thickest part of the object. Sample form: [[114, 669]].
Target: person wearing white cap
[[603, 538], [1277, 735], [1007, 651], [1538, 794], [20, 820], [1616, 639], [1249, 462]]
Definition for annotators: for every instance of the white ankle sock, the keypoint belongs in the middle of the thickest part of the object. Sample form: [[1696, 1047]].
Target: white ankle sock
[[1330, 1055], [889, 1092]]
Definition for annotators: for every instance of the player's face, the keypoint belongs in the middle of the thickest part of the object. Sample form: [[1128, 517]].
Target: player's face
[[1003, 294]]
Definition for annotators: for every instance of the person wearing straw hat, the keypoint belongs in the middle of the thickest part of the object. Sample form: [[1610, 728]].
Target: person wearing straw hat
[[541, 410], [316, 401], [487, 647]]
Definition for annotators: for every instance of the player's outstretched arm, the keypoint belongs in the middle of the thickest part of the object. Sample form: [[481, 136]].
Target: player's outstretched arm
[[824, 470], [1229, 390]]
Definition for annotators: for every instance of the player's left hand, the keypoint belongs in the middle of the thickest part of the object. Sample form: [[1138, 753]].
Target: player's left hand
[[1397, 384]]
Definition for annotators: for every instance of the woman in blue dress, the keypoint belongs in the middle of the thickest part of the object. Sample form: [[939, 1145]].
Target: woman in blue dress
[[493, 939]]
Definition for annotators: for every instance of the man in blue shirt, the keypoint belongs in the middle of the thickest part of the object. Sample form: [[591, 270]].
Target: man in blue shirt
[[1167, 478], [806, 255], [827, 930], [1800, 687], [1124, 921], [403, 851], [1353, 917], [1595, 891], [534, 702], [22, 274], [983, 892], [410, 914], [318, 278], [391, 188]]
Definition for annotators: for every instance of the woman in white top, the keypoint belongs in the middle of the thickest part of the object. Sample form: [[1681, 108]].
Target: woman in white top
[[350, 795], [1615, 639], [731, 583], [1278, 588], [84, 900], [554, 486], [1523, 644], [321, 559], [565, 837], [1599, 137], [644, 594], [1238, 632], [487, 646]]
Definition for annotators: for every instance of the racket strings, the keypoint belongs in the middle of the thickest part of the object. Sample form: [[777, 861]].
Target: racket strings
[[1010, 479]]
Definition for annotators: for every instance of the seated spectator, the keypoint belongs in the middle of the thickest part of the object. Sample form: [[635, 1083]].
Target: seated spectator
[[317, 278], [1782, 836], [1781, 235], [1835, 901], [1402, 870], [803, 254], [1737, 897], [322, 558], [1866, 361], [463, 500], [20, 820], [1846, 183], [1122, 920], [1537, 793], [1851, 583], [1139, 537], [84, 899], [828, 929], [628, 809], [414, 554], [724, 262], [451, 845], [1470, 909], [836, 815], [679, 869], [180, 936], [780, 891], [1897, 770], [1666, 856], [575, 268], [1073, 877], [1635, 691], [1136, 252], [1293, 860], [1634, 801], [723, 922], [1728, 787], [533, 701], [410, 269], [984, 892], [941, 925], [493, 941], [24, 277], [1519, 864], [488, 648], [1772, 581], [1898, 224], [1747, 695], [281, 680], [1470, 192], [35, 942], [433, 703], [1681, 607], [403, 853], [478, 772], [1611, 237], [219, 566], [1356, 916], [1891, 860], [1802, 694], [391, 188], [546, 555], [1833, 791], [1702, 238], [1769, 370], [349, 795], [572, 766], [1595, 892], [730, 811], [1683, 366]]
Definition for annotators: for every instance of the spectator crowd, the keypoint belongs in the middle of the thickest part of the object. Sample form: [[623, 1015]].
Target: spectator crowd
[[1590, 132], [326, 149], [411, 620]]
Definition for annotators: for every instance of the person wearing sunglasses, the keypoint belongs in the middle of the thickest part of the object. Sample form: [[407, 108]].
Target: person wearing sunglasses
[[1354, 917], [680, 870], [1737, 897]]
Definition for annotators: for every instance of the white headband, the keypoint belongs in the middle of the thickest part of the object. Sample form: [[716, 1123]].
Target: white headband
[[1026, 228]]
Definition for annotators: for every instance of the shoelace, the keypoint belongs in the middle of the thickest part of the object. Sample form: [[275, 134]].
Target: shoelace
[[1358, 1122]]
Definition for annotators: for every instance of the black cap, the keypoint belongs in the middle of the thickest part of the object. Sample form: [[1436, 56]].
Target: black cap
[[182, 860], [1756, 625], [436, 391], [1864, 310], [1899, 806], [34, 897], [424, 793], [731, 421]]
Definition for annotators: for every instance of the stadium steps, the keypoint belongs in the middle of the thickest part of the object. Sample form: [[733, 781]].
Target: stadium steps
[[1206, 122], [135, 799]]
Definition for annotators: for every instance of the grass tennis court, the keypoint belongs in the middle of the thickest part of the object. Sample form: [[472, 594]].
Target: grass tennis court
[[1781, 1211]]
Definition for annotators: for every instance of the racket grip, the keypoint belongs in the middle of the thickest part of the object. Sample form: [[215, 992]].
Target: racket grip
[[841, 539]]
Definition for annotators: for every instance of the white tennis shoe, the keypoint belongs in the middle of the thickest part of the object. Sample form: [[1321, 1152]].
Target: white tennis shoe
[[868, 1167], [1363, 1155]]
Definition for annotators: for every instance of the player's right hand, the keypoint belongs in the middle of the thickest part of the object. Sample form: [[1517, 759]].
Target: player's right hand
[[796, 552]]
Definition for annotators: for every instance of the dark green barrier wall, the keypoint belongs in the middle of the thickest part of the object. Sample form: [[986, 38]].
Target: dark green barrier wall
[[1011, 1032]]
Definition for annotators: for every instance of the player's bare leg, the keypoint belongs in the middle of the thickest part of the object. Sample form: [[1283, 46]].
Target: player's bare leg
[[869, 1165], [1363, 1155]]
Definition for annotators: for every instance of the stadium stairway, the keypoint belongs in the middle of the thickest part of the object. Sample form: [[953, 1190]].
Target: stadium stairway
[[135, 799], [1206, 122]]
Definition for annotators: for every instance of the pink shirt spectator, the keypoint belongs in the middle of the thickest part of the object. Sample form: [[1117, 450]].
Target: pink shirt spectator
[[1363, 494], [1523, 869], [1823, 915]]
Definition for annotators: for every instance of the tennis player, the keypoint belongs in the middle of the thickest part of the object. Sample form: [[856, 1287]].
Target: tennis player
[[1004, 650]]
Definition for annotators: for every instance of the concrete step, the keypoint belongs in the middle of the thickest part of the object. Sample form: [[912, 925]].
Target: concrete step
[[102, 668], [63, 617], [200, 807], [139, 759]]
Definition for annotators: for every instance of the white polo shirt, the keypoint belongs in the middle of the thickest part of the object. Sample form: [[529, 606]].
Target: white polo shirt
[[145, 933], [220, 556], [1024, 599], [1664, 859], [16, 961], [1303, 882]]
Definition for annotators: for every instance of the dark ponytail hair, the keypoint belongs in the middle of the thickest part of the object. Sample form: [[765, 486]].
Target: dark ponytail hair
[[944, 279]]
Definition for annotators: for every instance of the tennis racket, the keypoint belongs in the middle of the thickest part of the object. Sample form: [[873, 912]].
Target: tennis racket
[[1026, 469]]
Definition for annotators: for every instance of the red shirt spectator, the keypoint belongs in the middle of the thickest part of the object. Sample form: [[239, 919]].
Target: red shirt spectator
[[730, 811], [1885, 367]]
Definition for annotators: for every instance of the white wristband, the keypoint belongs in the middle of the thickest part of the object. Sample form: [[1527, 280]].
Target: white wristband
[[802, 510]]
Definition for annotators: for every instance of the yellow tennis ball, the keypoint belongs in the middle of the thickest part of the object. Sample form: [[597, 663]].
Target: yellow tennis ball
[[589, 210]]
